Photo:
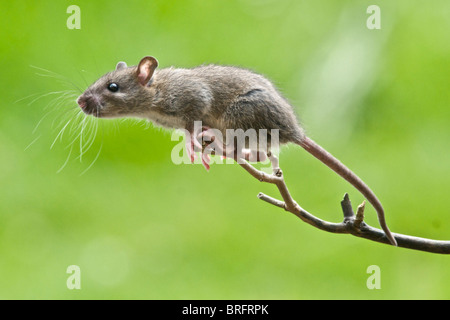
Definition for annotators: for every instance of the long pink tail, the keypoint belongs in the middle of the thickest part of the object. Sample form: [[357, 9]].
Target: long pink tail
[[337, 166]]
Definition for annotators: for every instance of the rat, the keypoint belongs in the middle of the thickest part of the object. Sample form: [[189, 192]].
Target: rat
[[221, 97]]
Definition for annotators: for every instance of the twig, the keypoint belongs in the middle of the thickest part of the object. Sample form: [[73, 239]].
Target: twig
[[352, 224]]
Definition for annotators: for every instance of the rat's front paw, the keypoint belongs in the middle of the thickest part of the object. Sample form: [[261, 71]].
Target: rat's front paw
[[199, 141]]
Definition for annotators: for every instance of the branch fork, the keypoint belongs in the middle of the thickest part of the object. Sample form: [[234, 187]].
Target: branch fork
[[352, 223]]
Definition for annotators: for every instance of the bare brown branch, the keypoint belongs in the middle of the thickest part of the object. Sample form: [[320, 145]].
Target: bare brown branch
[[352, 224]]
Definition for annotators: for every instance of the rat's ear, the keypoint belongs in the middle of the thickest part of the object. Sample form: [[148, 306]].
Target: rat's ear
[[145, 69], [121, 65]]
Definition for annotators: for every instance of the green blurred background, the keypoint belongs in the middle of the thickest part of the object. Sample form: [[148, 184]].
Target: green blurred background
[[139, 226]]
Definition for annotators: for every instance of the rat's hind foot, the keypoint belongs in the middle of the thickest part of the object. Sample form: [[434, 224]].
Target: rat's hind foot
[[253, 155], [208, 142]]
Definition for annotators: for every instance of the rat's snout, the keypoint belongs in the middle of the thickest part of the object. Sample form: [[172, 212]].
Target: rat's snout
[[90, 104], [81, 102]]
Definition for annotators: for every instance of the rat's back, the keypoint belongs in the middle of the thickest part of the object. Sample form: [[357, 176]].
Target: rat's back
[[243, 99]]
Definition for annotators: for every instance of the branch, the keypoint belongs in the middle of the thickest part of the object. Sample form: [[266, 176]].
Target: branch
[[352, 224]]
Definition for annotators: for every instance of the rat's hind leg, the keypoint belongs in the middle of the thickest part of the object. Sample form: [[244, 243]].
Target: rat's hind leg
[[210, 142], [213, 144]]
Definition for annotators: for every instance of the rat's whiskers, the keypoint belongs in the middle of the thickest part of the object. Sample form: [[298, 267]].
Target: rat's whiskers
[[51, 74]]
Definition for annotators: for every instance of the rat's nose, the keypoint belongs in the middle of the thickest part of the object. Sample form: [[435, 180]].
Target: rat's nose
[[81, 102]]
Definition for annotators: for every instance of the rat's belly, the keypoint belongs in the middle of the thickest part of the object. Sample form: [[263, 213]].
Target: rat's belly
[[166, 121]]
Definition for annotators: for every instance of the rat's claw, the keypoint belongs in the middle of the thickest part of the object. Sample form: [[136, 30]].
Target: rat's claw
[[196, 144], [196, 137], [206, 160], [190, 149], [206, 136]]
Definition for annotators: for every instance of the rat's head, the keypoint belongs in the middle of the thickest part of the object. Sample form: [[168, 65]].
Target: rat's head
[[120, 93]]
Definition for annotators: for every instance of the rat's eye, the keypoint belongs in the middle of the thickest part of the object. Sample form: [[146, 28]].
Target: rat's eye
[[113, 87]]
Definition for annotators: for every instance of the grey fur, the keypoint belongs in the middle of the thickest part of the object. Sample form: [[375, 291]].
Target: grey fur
[[222, 97], [121, 65]]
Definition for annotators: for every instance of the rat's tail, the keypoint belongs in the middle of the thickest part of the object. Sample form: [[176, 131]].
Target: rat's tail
[[334, 164]]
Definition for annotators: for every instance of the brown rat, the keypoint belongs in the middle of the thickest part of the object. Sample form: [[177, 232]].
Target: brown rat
[[221, 97]]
